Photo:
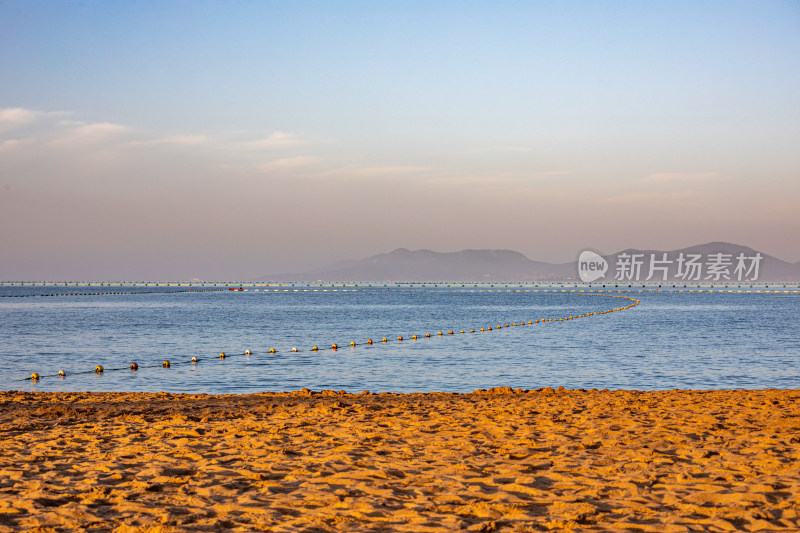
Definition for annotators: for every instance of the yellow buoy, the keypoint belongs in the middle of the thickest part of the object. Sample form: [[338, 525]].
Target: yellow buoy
[[294, 348], [165, 364], [413, 337], [61, 373], [483, 329], [247, 352], [472, 331], [222, 355], [194, 359], [440, 333], [462, 331], [352, 343], [272, 350], [384, 339], [35, 376], [98, 369], [314, 348]]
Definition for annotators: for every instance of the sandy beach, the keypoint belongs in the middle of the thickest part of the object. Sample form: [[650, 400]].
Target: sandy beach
[[498, 460]]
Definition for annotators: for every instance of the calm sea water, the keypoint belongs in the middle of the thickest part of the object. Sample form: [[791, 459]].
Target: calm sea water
[[688, 340]]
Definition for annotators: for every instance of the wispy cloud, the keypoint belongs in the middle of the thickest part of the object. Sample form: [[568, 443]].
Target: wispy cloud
[[276, 139], [680, 177], [287, 163], [12, 118], [647, 198], [507, 149]]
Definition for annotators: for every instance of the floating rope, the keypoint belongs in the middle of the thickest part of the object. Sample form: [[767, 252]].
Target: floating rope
[[385, 340], [102, 293], [335, 346]]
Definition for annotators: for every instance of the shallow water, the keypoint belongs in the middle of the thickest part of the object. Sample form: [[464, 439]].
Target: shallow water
[[688, 340]]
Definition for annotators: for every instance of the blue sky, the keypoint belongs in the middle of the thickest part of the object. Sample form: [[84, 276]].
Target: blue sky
[[172, 140]]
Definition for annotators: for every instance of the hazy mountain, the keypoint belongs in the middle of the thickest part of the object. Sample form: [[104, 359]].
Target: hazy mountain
[[426, 265], [507, 265]]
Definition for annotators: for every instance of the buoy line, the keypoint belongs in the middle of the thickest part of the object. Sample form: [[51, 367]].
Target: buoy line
[[55, 294], [385, 340], [369, 342]]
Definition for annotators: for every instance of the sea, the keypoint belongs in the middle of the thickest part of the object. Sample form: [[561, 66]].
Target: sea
[[523, 335]]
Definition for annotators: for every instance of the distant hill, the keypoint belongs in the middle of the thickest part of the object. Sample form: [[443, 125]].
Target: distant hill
[[507, 265]]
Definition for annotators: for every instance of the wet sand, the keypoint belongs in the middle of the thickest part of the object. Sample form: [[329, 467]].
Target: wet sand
[[488, 461]]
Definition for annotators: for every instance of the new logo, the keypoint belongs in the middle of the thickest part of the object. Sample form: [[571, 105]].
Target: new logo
[[591, 266]]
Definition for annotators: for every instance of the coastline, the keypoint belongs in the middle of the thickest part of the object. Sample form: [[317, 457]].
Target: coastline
[[488, 460]]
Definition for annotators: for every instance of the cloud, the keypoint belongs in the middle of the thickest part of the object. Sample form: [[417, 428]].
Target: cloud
[[12, 118], [9, 145], [276, 139], [643, 199], [287, 163], [516, 180], [356, 171], [680, 177], [507, 149], [185, 141], [99, 131]]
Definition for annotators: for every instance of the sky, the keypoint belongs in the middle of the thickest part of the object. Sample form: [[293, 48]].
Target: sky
[[178, 140]]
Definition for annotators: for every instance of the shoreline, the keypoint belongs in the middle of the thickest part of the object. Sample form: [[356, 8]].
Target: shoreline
[[549, 459]]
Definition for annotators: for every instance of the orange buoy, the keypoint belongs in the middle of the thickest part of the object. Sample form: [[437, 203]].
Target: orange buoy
[[427, 335], [334, 346], [400, 338], [134, 366], [165, 364], [369, 341]]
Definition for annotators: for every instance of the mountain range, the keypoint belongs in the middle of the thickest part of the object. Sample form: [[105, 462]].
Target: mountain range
[[716, 261]]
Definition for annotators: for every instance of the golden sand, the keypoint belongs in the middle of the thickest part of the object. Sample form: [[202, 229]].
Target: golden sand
[[488, 461]]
